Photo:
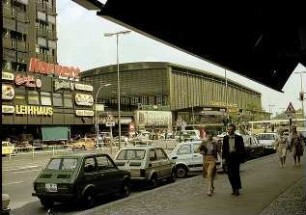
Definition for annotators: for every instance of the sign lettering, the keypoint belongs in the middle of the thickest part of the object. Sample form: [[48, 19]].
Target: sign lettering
[[84, 113], [33, 110], [84, 99], [8, 76], [8, 92], [84, 87], [8, 109], [41, 67], [28, 81], [60, 84]]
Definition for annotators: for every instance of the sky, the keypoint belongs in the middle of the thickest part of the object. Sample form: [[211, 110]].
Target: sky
[[81, 43]]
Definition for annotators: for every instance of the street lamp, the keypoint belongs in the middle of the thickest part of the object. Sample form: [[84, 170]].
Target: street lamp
[[96, 113], [118, 78], [302, 96]]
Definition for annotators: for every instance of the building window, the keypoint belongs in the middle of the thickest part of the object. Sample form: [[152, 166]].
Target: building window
[[20, 98], [68, 100], [57, 100], [42, 41], [33, 98], [45, 98]]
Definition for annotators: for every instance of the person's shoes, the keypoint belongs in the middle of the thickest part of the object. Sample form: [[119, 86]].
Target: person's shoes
[[236, 192], [209, 193], [212, 189]]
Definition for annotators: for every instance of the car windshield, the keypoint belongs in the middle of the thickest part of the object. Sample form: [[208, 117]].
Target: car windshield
[[62, 164], [131, 154], [265, 137]]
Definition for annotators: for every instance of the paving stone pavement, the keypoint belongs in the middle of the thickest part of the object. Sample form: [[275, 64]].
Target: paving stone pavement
[[268, 191]]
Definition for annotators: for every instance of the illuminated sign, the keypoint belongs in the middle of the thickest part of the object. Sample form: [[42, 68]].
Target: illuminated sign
[[8, 109], [83, 87], [33, 110], [28, 81], [154, 118], [41, 67], [8, 76], [61, 84], [84, 113], [84, 99], [8, 92]]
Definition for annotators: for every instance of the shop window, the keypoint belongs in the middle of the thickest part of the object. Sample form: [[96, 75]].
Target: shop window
[[57, 100], [33, 98], [68, 100], [45, 98]]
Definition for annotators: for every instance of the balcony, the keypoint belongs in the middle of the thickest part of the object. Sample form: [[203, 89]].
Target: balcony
[[7, 43], [41, 32], [21, 46], [21, 16]]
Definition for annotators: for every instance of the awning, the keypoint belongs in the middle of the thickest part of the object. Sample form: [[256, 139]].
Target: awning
[[55, 133]]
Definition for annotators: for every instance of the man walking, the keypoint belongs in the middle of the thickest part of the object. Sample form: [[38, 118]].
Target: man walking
[[233, 154]]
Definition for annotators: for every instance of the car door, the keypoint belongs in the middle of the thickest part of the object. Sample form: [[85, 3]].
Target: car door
[[197, 157], [109, 176], [165, 164], [90, 176]]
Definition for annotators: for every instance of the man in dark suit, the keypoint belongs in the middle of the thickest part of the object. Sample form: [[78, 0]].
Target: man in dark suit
[[233, 154]]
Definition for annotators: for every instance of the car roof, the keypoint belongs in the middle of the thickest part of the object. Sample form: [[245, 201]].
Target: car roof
[[190, 142], [79, 155], [141, 147]]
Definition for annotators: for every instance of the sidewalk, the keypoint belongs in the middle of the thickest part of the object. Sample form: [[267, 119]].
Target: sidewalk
[[266, 187]]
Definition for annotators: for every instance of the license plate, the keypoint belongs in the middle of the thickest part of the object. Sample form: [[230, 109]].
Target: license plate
[[51, 187]]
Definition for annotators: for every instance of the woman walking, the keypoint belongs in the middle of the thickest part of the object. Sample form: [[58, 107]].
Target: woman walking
[[209, 150], [296, 145], [281, 145]]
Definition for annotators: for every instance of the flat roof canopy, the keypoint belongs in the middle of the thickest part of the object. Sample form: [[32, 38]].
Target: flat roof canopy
[[264, 43]]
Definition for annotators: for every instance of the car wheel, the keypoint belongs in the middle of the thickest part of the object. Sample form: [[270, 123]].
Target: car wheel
[[153, 181], [181, 172], [88, 199], [47, 203], [172, 177], [125, 189]]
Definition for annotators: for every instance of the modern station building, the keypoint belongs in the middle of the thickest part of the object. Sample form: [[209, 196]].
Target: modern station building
[[39, 97], [166, 95]]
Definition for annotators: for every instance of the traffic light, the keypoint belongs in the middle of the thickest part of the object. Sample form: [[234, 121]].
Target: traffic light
[[302, 96]]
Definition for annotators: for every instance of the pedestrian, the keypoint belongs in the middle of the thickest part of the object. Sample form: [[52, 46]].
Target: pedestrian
[[209, 150], [296, 143], [281, 146], [233, 154]]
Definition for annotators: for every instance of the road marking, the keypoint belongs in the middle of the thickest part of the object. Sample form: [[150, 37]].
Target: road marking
[[16, 182]]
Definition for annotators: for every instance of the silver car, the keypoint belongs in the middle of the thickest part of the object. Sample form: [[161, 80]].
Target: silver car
[[146, 163]]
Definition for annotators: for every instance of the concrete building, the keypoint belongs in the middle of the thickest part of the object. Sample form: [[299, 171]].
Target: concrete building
[[39, 96], [192, 96]]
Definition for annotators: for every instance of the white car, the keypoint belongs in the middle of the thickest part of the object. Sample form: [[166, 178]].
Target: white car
[[267, 140], [188, 160]]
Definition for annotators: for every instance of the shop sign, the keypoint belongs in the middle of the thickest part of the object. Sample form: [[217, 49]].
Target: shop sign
[[84, 99], [153, 107], [84, 113], [61, 84], [83, 87], [41, 67], [33, 110], [8, 92], [222, 104], [8, 76], [28, 81], [8, 109], [154, 118]]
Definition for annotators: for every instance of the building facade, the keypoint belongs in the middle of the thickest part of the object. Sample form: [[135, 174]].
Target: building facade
[[149, 88], [39, 97]]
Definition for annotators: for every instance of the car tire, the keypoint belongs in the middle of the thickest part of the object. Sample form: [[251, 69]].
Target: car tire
[[181, 171], [172, 177], [153, 181], [125, 189], [89, 199], [47, 203]]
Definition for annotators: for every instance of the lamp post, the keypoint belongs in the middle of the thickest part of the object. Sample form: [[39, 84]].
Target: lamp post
[[96, 112], [118, 77]]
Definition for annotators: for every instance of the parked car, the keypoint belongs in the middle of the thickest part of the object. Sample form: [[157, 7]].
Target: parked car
[[83, 143], [5, 210], [188, 159], [7, 148], [81, 178], [267, 140], [146, 163], [252, 146]]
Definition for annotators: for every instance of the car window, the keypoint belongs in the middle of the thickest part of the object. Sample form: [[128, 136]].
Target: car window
[[161, 155], [131, 154], [62, 164], [152, 155], [184, 149], [196, 147], [89, 165], [104, 162]]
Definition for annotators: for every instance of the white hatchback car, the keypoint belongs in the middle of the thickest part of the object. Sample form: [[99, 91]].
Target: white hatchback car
[[267, 140], [188, 159]]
